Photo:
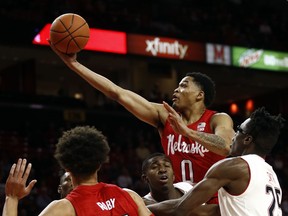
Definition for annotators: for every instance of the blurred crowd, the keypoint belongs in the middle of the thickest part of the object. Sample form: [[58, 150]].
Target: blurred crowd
[[249, 23]]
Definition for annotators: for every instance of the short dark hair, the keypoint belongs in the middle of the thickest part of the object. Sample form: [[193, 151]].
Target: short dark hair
[[82, 150], [206, 84], [265, 129], [156, 154]]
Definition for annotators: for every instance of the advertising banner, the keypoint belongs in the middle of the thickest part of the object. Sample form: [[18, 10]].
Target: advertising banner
[[100, 40], [218, 54], [260, 59], [162, 47]]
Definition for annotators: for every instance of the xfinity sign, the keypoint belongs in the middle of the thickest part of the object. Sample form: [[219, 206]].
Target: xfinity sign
[[161, 47], [156, 46]]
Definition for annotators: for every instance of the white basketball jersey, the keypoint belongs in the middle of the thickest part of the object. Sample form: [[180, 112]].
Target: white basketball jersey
[[184, 187], [262, 197]]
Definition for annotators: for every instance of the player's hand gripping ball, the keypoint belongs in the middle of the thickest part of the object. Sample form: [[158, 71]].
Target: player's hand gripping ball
[[69, 33]]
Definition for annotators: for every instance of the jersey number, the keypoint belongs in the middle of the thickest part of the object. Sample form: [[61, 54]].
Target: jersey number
[[187, 170], [275, 193]]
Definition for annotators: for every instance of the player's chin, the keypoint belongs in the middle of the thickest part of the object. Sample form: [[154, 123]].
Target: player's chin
[[235, 153], [174, 105]]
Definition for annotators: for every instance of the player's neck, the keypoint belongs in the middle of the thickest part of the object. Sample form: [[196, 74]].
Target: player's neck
[[192, 116], [173, 193], [92, 180]]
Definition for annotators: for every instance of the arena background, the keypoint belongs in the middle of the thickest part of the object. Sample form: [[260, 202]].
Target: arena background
[[40, 96]]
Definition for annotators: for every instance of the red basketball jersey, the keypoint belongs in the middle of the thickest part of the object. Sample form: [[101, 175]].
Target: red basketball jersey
[[190, 159], [102, 199]]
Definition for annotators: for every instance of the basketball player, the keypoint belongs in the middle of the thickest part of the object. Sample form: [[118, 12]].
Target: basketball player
[[81, 151], [65, 185], [247, 184], [157, 172], [193, 136]]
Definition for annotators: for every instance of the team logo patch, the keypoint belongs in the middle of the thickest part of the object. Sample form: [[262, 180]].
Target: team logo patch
[[201, 126]]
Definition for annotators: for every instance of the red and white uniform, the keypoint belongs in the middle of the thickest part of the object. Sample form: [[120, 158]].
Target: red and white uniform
[[190, 159], [184, 187], [262, 197], [102, 199]]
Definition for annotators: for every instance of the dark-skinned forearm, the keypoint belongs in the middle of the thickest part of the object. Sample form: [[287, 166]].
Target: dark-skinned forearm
[[165, 208]]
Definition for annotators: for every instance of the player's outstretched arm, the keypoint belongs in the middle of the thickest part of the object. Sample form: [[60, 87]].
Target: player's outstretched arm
[[134, 103], [15, 188]]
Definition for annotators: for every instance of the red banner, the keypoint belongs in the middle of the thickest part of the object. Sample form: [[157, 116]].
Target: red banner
[[122, 43], [165, 47], [100, 40]]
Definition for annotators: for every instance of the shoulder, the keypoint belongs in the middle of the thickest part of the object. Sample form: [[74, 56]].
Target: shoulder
[[221, 115], [139, 202], [214, 116], [227, 167], [115, 189], [184, 186], [130, 192], [254, 159], [136, 197], [230, 161], [112, 187], [222, 119], [148, 201], [59, 207]]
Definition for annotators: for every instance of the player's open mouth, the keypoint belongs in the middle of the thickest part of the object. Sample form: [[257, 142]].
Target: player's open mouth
[[163, 178], [174, 97]]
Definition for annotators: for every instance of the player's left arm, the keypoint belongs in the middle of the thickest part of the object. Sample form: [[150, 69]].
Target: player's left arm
[[218, 142]]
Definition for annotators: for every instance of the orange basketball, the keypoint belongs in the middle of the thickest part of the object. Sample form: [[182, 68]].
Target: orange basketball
[[69, 33]]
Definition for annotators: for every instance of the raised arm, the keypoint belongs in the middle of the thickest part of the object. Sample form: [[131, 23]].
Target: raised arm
[[15, 188], [151, 113], [218, 142]]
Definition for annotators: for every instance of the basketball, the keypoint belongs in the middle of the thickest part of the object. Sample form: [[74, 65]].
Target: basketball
[[69, 33]]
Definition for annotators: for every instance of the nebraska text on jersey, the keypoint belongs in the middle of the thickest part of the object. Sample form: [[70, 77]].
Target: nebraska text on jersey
[[182, 146]]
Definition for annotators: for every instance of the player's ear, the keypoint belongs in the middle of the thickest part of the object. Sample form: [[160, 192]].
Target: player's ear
[[248, 139], [144, 178], [200, 95]]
